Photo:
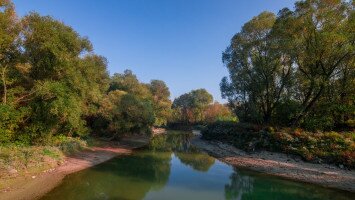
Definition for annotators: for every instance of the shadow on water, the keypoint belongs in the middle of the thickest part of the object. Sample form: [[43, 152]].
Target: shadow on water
[[252, 185], [171, 168]]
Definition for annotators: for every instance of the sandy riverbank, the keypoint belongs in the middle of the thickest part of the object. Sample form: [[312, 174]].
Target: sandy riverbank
[[34, 186], [281, 165]]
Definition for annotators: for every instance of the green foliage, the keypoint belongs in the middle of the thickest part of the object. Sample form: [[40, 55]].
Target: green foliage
[[44, 93], [129, 83], [123, 113], [11, 120], [189, 107], [259, 75], [131, 106], [295, 68], [161, 102], [136, 114], [68, 145], [56, 107], [51, 47]]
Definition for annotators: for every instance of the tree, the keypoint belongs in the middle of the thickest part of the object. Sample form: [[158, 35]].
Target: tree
[[123, 113], [319, 37], [12, 116], [9, 46], [90, 80], [52, 83], [191, 105], [161, 101], [218, 112], [129, 82], [259, 74], [55, 83], [131, 106]]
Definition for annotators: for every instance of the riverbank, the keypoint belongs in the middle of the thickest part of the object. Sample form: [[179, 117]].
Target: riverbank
[[282, 165], [34, 185]]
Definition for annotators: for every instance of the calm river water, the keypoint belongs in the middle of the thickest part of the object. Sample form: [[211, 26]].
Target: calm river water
[[171, 168]]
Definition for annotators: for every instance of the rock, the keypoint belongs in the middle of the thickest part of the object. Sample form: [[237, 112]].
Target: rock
[[341, 166], [33, 176], [12, 171]]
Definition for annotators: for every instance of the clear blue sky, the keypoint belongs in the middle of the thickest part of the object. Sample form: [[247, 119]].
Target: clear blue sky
[[177, 41]]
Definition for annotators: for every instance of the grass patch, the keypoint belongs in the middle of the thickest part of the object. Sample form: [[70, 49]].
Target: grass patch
[[19, 158]]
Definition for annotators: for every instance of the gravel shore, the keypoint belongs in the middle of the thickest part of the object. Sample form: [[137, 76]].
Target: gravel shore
[[282, 165]]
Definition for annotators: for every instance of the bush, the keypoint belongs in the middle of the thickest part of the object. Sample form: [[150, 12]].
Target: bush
[[69, 145], [123, 113], [11, 119], [330, 147]]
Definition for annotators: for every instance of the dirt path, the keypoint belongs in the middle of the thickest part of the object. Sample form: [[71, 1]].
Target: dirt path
[[282, 165], [33, 187]]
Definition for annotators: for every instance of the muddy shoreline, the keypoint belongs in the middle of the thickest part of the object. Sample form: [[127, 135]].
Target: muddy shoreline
[[35, 186], [281, 165]]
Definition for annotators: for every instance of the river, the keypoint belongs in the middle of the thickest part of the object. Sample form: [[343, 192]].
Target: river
[[171, 168]]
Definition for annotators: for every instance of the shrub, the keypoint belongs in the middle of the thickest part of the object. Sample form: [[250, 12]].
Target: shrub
[[10, 122], [330, 147], [68, 145]]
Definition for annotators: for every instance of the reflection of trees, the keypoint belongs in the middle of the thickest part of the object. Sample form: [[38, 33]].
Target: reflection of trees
[[198, 161], [238, 186], [128, 177], [133, 176], [177, 142], [181, 145]]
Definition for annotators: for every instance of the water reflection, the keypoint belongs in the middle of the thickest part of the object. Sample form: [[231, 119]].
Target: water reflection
[[174, 141], [171, 168], [238, 185], [180, 145], [129, 176]]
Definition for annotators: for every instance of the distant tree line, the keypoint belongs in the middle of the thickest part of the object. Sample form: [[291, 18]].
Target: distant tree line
[[197, 107], [296, 68]]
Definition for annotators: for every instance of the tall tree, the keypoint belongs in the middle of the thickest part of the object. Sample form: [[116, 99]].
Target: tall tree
[[218, 112], [90, 80], [53, 50], [319, 36], [9, 46], [161, 101], [129, 82], [191, 105], [259, 74]]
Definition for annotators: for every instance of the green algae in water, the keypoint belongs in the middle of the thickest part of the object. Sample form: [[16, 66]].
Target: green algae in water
[[171, 168]]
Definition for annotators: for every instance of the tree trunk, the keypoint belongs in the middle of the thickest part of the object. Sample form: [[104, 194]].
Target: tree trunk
[[3, 77], [307, 108], [267, 116]]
